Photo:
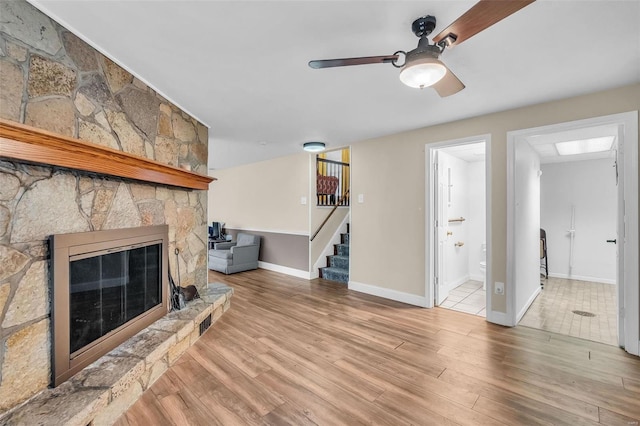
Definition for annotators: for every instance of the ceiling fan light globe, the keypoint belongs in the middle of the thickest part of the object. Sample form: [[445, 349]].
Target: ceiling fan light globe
[[422, 73]]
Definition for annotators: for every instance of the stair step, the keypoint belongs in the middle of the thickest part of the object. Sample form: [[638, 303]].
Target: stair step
[[344, 238], [335, 274], [342, 249], [337, 261]]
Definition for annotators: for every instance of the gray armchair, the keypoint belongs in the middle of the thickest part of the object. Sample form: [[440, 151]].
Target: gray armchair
[[236, 256]]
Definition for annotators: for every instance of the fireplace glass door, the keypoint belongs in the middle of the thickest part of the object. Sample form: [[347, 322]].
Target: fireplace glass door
[[109, 289]]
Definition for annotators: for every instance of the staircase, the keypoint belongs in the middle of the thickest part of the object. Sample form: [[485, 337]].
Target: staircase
[[338, 263]]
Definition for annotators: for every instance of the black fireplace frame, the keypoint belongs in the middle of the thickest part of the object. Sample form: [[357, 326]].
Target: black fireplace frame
[[65, 246]]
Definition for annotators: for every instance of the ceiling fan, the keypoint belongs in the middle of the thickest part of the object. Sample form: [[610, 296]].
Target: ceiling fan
[[422, 66]]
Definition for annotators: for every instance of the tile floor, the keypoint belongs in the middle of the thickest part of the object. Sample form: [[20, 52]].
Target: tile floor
[[552, 310], [468, 297]]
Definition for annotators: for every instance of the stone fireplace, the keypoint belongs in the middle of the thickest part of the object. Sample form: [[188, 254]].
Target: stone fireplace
[[107, 286], [52, 80]]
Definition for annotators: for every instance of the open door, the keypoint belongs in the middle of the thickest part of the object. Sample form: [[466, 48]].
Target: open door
[[441, 190], [619, 240]]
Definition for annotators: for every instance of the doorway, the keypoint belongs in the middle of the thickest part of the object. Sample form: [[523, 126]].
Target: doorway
[[586, 174], [456, 243]]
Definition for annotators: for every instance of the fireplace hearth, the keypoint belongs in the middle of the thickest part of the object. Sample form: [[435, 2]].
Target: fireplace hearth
[[107, 286]]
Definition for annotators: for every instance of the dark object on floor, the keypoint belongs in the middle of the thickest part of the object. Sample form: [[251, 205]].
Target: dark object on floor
[[189, 292], [544, 261], [584, 313], [176, 299]]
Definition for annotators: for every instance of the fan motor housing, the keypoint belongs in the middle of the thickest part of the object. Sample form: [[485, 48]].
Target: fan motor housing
[[423, 26], [424, 49]]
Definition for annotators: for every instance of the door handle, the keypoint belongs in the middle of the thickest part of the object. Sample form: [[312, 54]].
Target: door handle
[[612, 241]]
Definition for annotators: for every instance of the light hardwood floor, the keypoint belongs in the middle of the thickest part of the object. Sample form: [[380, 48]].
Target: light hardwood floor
[[290, 351]]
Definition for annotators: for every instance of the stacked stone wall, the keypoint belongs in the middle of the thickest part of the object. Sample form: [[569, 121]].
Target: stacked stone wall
[[51, 79]]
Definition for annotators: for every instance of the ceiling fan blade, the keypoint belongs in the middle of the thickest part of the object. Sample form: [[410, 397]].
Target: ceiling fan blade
[[481, 16], [449, 85], [344, 62]]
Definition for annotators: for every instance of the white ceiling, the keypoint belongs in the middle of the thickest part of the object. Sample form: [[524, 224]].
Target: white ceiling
[[469, 152], [241, 66], [544, 145]]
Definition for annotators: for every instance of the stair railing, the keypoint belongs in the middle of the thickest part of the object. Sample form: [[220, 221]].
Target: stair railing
[[335, 176], [326, 219]]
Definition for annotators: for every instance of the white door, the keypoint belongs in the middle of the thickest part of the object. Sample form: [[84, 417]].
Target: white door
[[619, 239], [441, 190]]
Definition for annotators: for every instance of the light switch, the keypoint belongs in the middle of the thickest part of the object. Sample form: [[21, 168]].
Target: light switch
[[303, 200], [361, 198]]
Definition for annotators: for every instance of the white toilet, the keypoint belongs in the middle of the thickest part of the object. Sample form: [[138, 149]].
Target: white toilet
[[483, 266]]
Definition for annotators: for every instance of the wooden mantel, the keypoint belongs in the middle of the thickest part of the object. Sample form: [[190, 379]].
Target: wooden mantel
[[29, 144]]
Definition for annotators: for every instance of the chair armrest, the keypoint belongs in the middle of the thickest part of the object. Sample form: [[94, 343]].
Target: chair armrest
[[224, 246], [245, 254]]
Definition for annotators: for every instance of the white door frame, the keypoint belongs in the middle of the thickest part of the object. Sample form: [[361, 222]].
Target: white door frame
[[628, 283], [430, 216]]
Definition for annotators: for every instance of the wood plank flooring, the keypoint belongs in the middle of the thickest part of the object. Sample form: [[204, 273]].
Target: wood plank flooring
[[290, 351]]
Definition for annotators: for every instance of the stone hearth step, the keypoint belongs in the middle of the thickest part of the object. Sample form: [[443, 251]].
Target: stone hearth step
[[104, 390]]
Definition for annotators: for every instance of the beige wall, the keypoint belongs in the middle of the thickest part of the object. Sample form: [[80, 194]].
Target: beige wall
[[263, 196], [390, 172]]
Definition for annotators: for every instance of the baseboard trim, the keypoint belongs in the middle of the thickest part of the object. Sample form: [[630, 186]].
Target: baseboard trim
[[529, 302], [458, 282], [583, 278], [386, 293], [499, 318], [478, 277], [285, 270]]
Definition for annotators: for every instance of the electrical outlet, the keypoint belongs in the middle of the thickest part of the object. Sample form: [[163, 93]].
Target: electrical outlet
[[360, 198], [303, 200], [499, 288]]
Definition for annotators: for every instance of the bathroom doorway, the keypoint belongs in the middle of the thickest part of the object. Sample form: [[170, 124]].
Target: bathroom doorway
[[588, 208], [457, 222]]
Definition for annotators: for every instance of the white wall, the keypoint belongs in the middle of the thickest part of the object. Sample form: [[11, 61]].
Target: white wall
[[527, 226], [591, 187], [468, 194], [456, 258], [476, 216], [334, 155]]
